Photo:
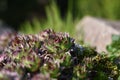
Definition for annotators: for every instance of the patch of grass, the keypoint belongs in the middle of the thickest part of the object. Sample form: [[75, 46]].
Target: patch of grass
[[99, 8], [53, 21]]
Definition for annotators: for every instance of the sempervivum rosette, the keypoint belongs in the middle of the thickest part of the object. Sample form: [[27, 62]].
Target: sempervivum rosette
[[27, 53]]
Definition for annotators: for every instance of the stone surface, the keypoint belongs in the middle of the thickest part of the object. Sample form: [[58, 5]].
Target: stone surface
[[4, 27], [98, 32], [5, 35]]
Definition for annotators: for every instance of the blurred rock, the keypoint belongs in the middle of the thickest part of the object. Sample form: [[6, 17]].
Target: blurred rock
[[4, 28], [5, 35], [98, 32]]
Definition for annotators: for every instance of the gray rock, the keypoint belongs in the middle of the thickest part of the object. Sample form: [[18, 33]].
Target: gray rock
[[4, 28], [6, 34], [98, 32]]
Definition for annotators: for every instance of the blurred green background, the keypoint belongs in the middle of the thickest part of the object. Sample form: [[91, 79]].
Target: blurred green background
[[31, 16]]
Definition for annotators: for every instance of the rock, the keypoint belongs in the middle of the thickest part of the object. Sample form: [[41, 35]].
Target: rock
[[98, 32], [4, 28], [6, 34]]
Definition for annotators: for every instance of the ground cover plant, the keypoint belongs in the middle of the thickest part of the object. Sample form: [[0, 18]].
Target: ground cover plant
[[51, 55]]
